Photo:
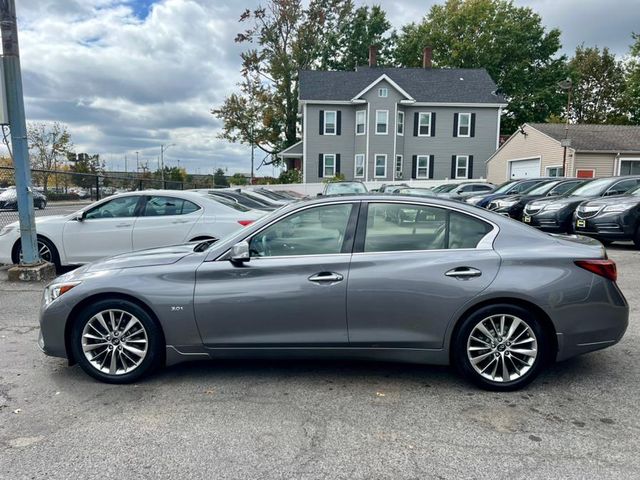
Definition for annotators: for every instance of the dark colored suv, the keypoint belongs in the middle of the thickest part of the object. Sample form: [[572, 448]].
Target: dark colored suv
[[513, 205], [510, 187], [556, 214], [610, 218]]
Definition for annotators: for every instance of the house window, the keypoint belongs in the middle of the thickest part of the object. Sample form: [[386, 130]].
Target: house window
[[629, 167], [398, 166], [382, 122], [330, 122], [383, 92], [462, 166], [424, 124], [359, 166], [329, 165], [381, 166], [422, 167], [361, 118], [555, 172], [464, 125], [400, 123]]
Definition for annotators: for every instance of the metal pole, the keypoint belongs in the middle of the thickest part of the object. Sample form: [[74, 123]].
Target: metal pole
[[252, 155], [137, 163], [15, 109], [162, 163]]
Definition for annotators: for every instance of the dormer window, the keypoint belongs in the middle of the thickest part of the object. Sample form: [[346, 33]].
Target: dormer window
[[383, 92]]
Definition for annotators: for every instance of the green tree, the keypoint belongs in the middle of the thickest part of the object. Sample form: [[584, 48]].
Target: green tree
[[220, 179], [85, 167], [238, 179], [48, 147], [290, 176], [632, 93], [509, 41], [598, 86]]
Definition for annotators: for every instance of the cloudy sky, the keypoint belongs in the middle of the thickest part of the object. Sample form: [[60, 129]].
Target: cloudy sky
[[127, 76]]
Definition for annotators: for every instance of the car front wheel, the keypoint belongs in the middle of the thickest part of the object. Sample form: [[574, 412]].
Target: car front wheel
[[116, 341], [501, 347]]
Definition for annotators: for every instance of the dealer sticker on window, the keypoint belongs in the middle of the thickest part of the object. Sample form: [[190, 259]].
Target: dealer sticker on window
[[581, 223], [527, 219]]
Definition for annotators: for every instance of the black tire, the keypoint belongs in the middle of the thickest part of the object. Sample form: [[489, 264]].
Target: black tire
[[155, 343], [605, 241], [460, 355], [636, 238], [42, 241]]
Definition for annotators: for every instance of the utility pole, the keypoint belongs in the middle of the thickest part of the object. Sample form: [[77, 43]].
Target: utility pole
[[252, 155], [566, 142], [137, 163], [15, 108], [125, 164], [163, 148]]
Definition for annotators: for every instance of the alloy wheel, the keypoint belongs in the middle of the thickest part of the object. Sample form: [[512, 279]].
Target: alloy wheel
[[44, 252], [502, 348], [114, 342]]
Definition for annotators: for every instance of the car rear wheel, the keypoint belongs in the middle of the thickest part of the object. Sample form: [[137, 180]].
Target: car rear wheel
[[116, 341], [501, 347]]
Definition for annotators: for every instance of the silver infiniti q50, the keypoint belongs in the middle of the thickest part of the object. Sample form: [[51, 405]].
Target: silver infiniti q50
[[365, 277]]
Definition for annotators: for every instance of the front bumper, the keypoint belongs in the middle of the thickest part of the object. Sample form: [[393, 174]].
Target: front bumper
[[610, 226], [53, 321], [553, 222]]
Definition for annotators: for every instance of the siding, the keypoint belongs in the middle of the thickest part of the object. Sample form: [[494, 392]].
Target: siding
[[532, 145], [602, 163]]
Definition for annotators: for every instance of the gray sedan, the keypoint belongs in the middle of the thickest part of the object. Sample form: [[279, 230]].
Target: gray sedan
[[331, 278]]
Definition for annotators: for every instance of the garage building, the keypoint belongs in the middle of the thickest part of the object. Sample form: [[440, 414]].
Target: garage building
[[536, 150]]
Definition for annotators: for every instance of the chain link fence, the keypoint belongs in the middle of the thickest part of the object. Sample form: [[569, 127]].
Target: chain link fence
[[64, 192]]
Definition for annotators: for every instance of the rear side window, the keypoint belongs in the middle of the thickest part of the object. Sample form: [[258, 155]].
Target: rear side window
[[163, 206], [622, 187], [403, 227]]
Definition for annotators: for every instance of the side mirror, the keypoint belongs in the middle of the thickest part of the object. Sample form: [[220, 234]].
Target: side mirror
[[80, 216], [240, 252], [319, 195]]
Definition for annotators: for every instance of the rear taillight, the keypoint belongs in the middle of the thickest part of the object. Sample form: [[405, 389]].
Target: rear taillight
[[244, 223], [604, 268]]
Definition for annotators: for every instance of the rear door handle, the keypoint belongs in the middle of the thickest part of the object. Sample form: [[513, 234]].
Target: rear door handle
[[463, 272], [326, 277]]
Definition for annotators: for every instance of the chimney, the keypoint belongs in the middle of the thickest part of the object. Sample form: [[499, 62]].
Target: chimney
[[373, 56], [426, 57]]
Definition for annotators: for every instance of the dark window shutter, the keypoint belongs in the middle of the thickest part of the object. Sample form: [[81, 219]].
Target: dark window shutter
[[455, 124], [338, 160], [321, 122], [473, 125], [339, 122], [431, 165], [414, 167], [453, 166], [470, 165], [320, 165], [415, 124], [433, 124]]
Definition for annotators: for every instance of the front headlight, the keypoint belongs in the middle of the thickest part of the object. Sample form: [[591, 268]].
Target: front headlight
[[7, 229], [506, 203], [617, 208], [56, 290], [553, 207], [473, 200]]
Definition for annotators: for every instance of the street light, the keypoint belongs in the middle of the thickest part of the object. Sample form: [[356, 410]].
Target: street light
[[163, 148], [567, 85]]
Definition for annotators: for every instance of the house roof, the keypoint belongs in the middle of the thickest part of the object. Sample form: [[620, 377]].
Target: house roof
[[294, 150], [438, 85], [595, 138]]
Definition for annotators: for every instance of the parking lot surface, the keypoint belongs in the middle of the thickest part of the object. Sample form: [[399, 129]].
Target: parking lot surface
[[304, 420], [53, 208]]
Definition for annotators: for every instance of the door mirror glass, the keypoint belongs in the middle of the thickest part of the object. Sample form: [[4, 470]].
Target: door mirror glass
[[240, 252]]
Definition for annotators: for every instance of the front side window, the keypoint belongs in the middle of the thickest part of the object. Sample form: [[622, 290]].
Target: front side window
[[382, 122], [424, 124], [383, 92], [398, 166], [422, 167], [359, 166], [622, 187], [381, 166], [116, 208], [157, 206], [330, 122], [404, 227], [462, 166], [400, 124], [314, 231], [361, 118], [464, 125], [329, 165]]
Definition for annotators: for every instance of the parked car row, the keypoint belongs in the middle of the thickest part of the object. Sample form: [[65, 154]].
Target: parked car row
[[607, 209], [9, 199]]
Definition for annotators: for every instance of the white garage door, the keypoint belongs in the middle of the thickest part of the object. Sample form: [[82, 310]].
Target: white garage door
[[529, 168]]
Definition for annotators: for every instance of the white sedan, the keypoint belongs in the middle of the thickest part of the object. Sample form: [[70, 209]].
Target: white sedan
[[128, 222]]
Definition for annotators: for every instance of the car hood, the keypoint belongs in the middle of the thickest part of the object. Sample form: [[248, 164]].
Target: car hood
[[143, 258], [572, 200], [629, 200]]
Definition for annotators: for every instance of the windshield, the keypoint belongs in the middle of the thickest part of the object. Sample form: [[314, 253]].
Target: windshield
[[229, 203], [445, 188], [594, 188], [338, 188], [541, 189], [270, 194], [504, 187], [424, 192]]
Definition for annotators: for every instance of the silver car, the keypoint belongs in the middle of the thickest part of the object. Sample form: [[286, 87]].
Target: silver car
[[331, 278]]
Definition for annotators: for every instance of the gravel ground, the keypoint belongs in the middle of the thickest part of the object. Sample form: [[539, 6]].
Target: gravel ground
[[315, 419]]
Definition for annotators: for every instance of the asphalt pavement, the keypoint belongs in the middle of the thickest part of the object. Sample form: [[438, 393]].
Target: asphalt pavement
[[311, 420], [53, 208]]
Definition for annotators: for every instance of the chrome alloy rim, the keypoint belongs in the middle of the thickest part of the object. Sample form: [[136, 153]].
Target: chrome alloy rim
[[44, 252], [115, 342], [502, 348]]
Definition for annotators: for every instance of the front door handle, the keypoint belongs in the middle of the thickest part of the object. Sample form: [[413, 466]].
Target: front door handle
[[123, 225], [463, 272], [326, 277]]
